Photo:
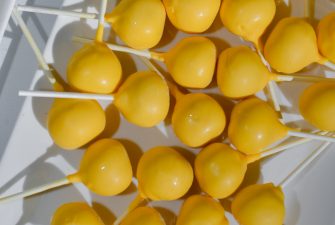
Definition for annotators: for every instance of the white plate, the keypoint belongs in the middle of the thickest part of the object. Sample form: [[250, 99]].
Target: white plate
[[30, 158]]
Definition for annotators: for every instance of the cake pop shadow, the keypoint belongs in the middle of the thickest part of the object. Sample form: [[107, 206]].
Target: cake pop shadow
[[216, 25], [169, 34], [168, 216], [252, 176], [104, 213]]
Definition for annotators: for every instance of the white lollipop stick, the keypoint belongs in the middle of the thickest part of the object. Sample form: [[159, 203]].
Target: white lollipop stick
[[101, 19], [284, 77], [311, 136], [73, 95], [33, 45], [59, 12], [330, 65]]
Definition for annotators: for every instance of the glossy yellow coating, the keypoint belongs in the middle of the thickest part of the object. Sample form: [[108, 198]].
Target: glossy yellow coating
[[259, 204], [219, 170], [143, 216], [254, 125], [73, 123], [105, 168], [248, 18], [317, 105], [143, 99], [139, 23], [163, 174], [326, 37], [191, 62], [291, 46], [94, 68], [201, 210], [76, 213], [192, 16], [241, 73], [197, 118]]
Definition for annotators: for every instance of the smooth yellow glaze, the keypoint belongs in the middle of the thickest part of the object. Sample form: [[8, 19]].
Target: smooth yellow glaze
[[254, 125], [105, 168], [326, 37], [163, 174], [219, 170], [76, 213], [143, 216], [317, 105], [73, 123], [248, 18], [201, 210], [291, 46], [259, 204], [241, 73], [192, 16], [197, 118], [139, 23], [191, 62], [94, 68], [143, 99]]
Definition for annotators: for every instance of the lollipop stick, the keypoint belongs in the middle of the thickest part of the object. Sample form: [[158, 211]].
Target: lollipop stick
[[311, 136], [133, 205], [281, 77], [100, 31], [73, 95], [34, 46], [59, 12], [329, 64], [35, 191]]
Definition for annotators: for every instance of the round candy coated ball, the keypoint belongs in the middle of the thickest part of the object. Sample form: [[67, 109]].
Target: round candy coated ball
[[317, 105], [143, 216], [248, 18], [291, 45], [259, 204], [219, 170], [191, 62], [197, 118], [326, 37], [94, 68], [199, 209], [192, 16], [241, 73], [105, 168], [163, 174], [73, 123], [76, 213], [139, 23], [144, 99], [254, 125]]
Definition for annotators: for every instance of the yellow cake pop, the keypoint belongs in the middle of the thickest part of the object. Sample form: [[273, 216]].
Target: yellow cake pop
[[317, 105], [248, 18], [73, 123], [143, 99], [139, 23], [292, 45], [326, 37], [199, 209], [76, 213], [259, 204], [192, 16], [143, 216], [163, 174], [197, 118]]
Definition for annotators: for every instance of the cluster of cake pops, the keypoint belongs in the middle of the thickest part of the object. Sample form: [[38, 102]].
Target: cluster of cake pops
[[76, 118]]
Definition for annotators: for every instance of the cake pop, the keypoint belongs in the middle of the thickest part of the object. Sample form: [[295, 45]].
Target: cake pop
[[326, 37], [143, 216]]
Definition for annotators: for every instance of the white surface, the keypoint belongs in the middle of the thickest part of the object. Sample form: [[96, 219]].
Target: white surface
[[30, 158], [6, 7]]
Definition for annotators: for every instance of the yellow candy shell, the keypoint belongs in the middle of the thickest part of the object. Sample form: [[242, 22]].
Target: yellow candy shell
[[143, 216], [326, 37], [94, 68], [76, 213], [191, 62], [197, 118], [192, 16], [219, 170], [139, 23], [259, 204], [198, 210], [73, 123], [241, 73], [143, 99], [105, 168], [317, 105], [163, 174]]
